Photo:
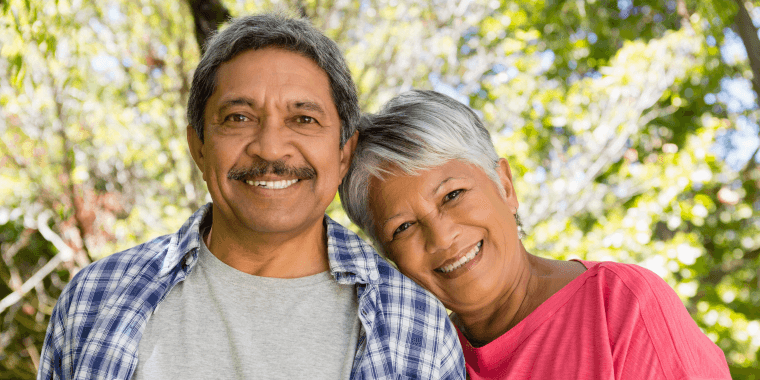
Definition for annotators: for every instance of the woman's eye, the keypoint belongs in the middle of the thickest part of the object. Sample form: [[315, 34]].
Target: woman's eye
[[452, 195], [236, 117], [401, 228]]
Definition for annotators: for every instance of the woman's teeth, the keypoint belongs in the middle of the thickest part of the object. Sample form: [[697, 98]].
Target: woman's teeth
[[272, 184], [463, 260]]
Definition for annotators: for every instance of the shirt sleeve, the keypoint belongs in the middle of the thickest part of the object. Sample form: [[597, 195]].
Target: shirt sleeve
[[651, 332], [51, 357], [450, 353]]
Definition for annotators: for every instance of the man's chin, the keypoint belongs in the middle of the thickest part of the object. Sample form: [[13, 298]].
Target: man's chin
[[263, 216], [282, 223]]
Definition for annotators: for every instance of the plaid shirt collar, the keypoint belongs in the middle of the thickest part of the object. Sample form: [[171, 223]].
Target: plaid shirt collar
[[352, 260]]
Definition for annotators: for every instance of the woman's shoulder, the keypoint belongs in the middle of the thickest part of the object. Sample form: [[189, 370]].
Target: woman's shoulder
[[641, 305], [629, 287], [630, 274]]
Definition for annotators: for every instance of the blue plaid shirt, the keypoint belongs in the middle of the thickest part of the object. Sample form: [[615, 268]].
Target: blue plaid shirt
[[97, 324]]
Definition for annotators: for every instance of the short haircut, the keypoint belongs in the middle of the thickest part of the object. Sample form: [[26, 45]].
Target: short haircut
[[416, 130], [274, 30]]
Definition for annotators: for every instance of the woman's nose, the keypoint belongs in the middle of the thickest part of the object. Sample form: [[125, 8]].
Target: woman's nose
[[440, 232]]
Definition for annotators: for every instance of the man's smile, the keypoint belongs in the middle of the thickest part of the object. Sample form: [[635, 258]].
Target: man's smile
[[276, 185], [273, 175]]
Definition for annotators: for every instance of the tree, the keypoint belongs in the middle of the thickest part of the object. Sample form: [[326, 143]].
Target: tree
[[92, 103], [625, 123]]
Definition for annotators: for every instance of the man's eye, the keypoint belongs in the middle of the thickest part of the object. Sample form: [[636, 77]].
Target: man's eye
[[237, 118], [452, 195], [401, 228], [305, 119]]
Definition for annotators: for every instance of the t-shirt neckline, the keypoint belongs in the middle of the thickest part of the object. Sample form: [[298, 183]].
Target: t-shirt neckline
[[512, 339]]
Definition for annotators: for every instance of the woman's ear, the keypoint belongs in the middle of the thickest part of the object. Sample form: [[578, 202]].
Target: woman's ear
[[505, 177]]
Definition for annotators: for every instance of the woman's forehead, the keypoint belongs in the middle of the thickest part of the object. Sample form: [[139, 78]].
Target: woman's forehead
[[395, 184]]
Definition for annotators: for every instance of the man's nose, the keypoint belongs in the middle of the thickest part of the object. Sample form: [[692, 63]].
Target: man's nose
[[270, 141], [440, 232]]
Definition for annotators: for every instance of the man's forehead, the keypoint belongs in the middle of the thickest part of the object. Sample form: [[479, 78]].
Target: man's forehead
[[301, 83], [302, 103], [269, 54]]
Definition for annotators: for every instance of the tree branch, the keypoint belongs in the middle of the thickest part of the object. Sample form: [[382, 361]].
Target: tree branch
[[64, 253], [15, 160], [684, 13], [14, 282]]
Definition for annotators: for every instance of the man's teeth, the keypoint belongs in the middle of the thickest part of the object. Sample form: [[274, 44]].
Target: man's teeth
[[272, 184], [462, 260]]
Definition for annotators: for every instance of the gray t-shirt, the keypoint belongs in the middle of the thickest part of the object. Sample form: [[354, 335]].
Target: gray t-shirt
[[221, 323]]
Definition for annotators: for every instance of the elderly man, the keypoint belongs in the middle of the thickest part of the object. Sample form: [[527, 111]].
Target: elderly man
[[259, 283]]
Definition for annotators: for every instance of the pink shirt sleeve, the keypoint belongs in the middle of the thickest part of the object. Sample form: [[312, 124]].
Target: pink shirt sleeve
[[652, 333]]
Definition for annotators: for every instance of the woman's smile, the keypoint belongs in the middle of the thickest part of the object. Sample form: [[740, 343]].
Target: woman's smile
[[459, 265]]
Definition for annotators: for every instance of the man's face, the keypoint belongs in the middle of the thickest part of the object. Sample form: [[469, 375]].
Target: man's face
[[271, 156]]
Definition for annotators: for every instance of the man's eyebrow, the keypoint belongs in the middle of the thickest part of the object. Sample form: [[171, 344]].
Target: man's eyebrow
[[307, 105], [239, 101]]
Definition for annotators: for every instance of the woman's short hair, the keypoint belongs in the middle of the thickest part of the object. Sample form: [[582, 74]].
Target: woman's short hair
[[416, 130], [274, 30]]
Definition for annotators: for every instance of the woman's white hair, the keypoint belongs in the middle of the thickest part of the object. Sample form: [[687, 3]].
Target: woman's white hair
[[415, 131]]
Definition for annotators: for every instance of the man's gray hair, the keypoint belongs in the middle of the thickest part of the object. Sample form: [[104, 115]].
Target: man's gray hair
[[274, 30], [416, 130]]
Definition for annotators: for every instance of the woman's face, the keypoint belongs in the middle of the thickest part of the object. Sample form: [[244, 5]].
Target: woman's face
[[452, 230]]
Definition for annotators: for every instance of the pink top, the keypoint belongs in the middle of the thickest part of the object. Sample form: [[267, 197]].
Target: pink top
[[614, 321]]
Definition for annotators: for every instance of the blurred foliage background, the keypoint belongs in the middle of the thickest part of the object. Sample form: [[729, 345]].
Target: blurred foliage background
[[631, 127]]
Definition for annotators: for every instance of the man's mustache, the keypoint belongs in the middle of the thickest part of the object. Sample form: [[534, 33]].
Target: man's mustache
[[263, 167]]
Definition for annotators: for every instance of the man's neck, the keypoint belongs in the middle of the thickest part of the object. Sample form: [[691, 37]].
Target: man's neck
[[292, 255]]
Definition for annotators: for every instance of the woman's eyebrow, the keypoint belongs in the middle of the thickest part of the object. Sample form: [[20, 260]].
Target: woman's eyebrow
[[437, 188], [387, 220]]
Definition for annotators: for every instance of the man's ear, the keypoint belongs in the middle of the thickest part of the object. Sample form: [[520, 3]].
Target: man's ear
[[196, 148], [347, 152], [505, 177]]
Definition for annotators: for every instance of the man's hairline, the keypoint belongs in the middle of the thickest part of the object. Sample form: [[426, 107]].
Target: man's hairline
[[215, 83]]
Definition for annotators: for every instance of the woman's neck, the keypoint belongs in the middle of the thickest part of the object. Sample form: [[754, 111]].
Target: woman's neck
[[540, 279], [483, 325]]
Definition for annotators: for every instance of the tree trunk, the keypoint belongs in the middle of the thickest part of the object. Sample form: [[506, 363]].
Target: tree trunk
[[207, 14], [748, 33]]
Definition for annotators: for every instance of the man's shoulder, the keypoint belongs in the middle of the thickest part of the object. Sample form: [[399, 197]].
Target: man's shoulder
[[400, 296], [392, 279], [128, 263], [418, 325], [148, 256], [352, 253], [397, 295]]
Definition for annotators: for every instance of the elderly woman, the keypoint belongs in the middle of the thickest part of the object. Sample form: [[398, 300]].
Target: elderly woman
[[427, 185]]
